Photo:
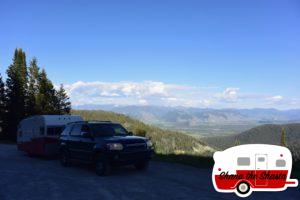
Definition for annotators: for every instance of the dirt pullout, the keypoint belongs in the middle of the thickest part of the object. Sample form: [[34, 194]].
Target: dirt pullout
[[23, 177]]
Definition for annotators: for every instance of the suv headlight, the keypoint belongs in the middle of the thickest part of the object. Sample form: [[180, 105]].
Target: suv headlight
[[115, 146], [149, 143]]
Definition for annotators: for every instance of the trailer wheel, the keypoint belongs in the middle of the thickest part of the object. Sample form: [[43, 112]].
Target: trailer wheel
[[65, 158], [243, 188], [29, 154]]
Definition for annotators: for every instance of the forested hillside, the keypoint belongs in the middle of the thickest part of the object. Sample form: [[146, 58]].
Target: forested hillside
[[165, 142], [265, 134]]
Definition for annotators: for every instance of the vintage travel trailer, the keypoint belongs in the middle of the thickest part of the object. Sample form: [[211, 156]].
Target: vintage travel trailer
[[253, 167], [38, 135]]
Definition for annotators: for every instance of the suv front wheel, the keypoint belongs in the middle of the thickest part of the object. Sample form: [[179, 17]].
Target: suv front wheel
[[142, 165], [102, 167], [64, 158]]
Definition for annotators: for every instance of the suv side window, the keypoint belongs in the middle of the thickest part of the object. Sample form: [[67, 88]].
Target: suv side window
[[76, 130], [85, 128], [67, 130]]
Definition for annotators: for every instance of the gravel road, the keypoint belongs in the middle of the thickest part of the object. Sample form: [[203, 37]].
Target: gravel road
[[25, 178]]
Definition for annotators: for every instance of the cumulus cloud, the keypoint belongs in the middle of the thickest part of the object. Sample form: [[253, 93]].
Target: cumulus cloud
[[229, 94], [123, 93], [143, 102], [276, 98], [164, 94]]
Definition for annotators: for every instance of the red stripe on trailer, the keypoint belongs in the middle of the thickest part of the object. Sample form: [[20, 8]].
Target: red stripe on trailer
[[262, 179], [37, 146]]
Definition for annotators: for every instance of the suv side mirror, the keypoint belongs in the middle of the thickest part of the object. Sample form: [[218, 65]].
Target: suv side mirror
[[130, 133], [85, 134]]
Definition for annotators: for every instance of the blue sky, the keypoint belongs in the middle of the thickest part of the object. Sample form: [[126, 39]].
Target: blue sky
[[193, 53]]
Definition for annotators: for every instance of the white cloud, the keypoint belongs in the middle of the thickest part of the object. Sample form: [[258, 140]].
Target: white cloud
[[276, 98], [207, 102], [143, 102], [164, 94], [229, 94], [122, 92]]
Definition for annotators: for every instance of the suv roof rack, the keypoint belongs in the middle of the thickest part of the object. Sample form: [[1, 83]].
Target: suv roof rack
[[91, 121], [75, 122]]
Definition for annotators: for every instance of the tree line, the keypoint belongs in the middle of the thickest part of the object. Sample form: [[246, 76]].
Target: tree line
[[27, 91]]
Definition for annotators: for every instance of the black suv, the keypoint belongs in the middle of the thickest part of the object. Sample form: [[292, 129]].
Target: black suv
[[104, 144]]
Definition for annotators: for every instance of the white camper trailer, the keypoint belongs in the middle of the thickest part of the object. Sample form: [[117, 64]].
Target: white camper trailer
[[38, 135], [253, 167]]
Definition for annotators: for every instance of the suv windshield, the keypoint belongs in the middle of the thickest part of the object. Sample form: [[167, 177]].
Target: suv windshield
[[107, 129]]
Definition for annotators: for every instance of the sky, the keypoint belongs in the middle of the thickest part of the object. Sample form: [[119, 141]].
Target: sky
[[208, 53]]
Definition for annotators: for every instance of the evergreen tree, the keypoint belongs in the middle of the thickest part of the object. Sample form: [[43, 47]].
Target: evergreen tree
[[16, 93], [28, 92], [46, 100], [63, 102], [33, 87], [283, 138], [237, 142], [2, 105]]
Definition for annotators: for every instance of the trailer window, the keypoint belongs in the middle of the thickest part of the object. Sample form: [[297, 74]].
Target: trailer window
[[54, 130], [50, 131], [59, 130], [280, 163], [243, 161], [261, 159]]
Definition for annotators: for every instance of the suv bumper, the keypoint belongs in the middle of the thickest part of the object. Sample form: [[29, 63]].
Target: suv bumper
[[130, 157]]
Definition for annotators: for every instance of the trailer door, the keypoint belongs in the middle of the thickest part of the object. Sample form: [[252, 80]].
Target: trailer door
[[261, 166]]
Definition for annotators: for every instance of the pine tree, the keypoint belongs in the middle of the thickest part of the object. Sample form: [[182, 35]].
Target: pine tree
[[33, 87], [16, 93], [46, 100], [237, 142], [63, 103], [283, 137], [2, 105]]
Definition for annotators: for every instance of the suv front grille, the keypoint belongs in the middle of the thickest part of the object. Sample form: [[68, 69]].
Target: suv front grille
[[135, 147]]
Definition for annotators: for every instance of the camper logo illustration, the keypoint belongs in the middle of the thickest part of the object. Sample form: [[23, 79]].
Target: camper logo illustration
[[253, 167]]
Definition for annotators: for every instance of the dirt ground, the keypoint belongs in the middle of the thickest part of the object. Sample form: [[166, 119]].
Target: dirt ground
[[23, 177]]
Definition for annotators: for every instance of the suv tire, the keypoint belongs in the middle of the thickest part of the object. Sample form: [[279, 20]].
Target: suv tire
[[102, 167], [142, 165], [65, 158]]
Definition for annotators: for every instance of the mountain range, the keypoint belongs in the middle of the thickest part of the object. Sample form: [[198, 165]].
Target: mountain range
[[203, 121]]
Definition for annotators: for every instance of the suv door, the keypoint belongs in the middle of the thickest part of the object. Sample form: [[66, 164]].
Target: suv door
[[74, 141], [87, 143]]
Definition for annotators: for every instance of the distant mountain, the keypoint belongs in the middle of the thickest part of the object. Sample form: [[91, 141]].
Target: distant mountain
[[200, 115], [264, 134], [203, 121]]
